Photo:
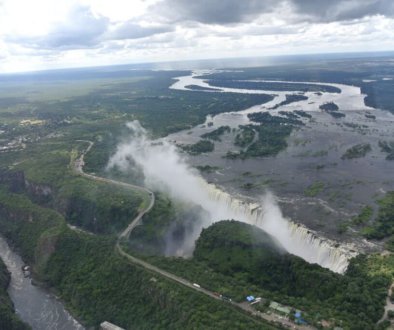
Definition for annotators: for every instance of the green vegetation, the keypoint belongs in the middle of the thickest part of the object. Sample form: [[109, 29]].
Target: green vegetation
[[272, 134], [357, 151], [217, 133], [364, 217], [236, 259], [92, 205], [166, 228], [40, 193], [8, 319], [390, 244], [103, 286], [387, 147], [24, 223], [302, 113], [97, 284], [337, 114], [314, 189], [267, 119], [94, 105], [383, 225], [369, 116], [150, 236], [270, 142], [207, 168], [329, 107], [245, 136], [378, 92], [332, 109], [290, 98], [200, 147], [98, 208]]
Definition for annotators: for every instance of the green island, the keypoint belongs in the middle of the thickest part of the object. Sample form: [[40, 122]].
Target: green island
[[290, 98], [245, 136], [388, 148], [357, 151], [207, 168], [329, 107], [199, 147], [332, 109], [272, 133], [217, 133]]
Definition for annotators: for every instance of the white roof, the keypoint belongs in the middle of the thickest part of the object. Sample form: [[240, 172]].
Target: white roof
[[109, 326]]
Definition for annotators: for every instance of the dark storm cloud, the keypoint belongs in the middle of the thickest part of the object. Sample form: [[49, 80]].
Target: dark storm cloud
[[130, 30], [243, 11], [341, 10], [214, 11]]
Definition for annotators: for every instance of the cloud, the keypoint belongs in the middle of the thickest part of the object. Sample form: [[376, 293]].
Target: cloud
[[121, 31], [131, 30], [80, 29], [341, 10], [213, 11], [234, 11]]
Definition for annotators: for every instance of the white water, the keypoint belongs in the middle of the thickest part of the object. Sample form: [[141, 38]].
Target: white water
[[295, 238], [165, 170]]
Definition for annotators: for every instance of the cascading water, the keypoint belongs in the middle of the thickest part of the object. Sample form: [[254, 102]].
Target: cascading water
[[295, 238], [164, 169]]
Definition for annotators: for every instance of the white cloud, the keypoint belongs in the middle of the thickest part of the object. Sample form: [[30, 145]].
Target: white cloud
[[44, 34]]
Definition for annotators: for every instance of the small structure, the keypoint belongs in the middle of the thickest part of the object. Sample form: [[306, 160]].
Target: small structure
[[280, 308], [256, 301], [109, 326], [298, 318], [250, 298]]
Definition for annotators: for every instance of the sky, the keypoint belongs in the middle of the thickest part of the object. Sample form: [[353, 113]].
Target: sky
[[48, 34]]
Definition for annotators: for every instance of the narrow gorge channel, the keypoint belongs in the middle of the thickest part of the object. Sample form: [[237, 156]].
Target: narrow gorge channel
[[33, 304]]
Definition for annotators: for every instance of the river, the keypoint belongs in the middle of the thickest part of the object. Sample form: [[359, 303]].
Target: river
[[237, 189], [33, 304]]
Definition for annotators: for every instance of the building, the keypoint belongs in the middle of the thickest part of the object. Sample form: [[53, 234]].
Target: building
[[109, 326], [279, 308]]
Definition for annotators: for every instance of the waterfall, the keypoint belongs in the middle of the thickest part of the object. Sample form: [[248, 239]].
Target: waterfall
[[295, 238], [166, 170]]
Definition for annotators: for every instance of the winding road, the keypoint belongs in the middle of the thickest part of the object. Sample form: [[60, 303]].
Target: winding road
[[78, 164]]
